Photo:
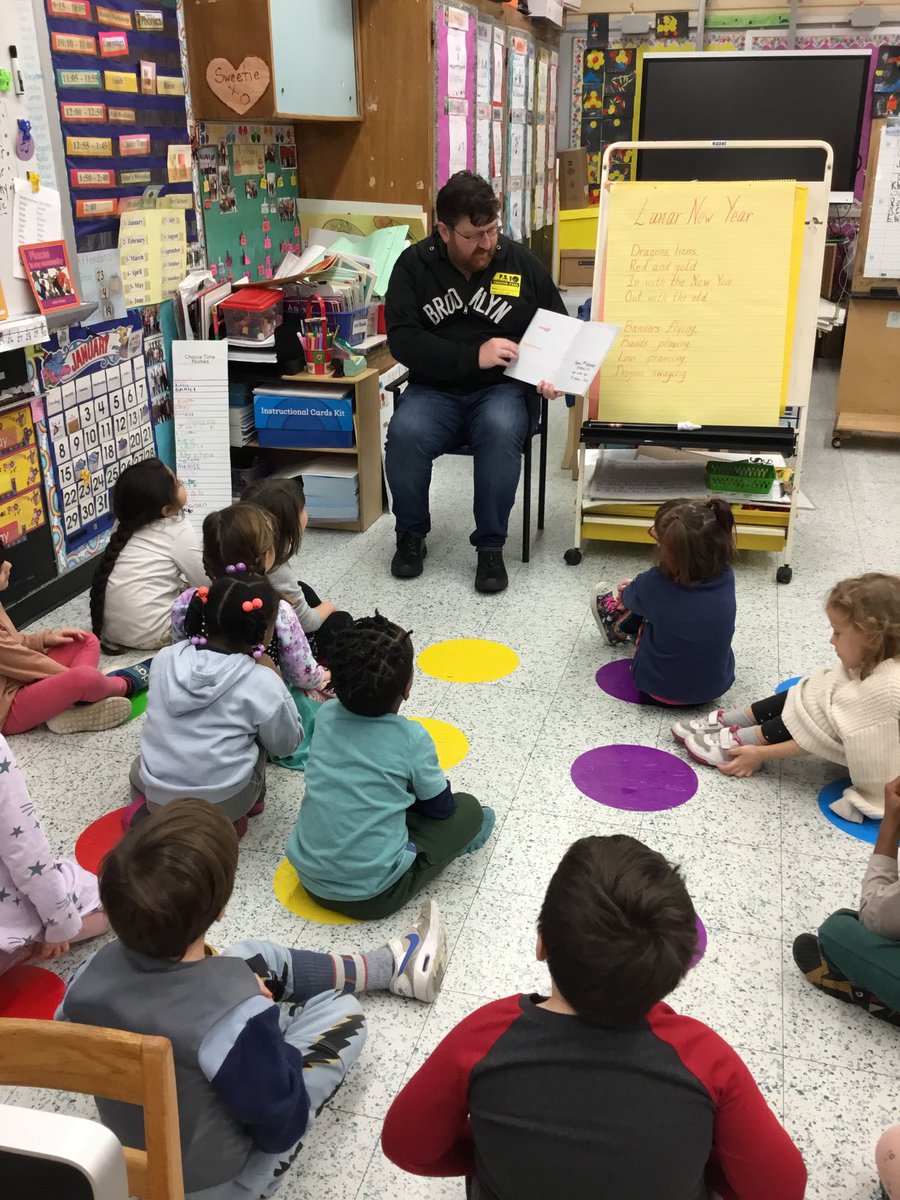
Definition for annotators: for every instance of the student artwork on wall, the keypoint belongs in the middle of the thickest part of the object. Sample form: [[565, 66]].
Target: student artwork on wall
[[248, 187], [98, 419], [25, 539], [886, 98], [122, 105], [455, 52], [608, 91]]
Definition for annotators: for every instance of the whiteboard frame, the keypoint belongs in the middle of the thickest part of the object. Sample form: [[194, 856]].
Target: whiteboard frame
[[805, 318]]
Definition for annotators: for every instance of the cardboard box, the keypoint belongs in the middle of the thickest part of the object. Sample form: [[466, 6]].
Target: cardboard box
[[573, 178], [578, 227], [576, 268], [546, 10]]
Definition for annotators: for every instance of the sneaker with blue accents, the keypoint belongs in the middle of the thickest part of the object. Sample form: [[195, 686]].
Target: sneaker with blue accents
[[137, 677], [420, 956]]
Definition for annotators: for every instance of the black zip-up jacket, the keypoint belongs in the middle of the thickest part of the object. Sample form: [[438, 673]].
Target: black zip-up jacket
[[437, 320]]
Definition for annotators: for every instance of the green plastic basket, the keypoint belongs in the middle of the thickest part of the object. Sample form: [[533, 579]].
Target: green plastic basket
[[751, 477]]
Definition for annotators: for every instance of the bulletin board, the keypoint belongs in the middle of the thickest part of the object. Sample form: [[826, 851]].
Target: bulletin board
[[98, 419], [455, 41], [121, 95], [19, 28], [248, 188]]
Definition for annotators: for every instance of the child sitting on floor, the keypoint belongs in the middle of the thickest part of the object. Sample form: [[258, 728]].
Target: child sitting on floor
[[52, 676], [238, 540], [152, 553], [849, 714], [598, 1089], [263, 1035], [46, 903], [682, 612], [217, 705], [284, 501], [378, 820]]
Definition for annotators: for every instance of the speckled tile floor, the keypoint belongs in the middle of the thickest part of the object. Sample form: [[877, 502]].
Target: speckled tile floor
[[760, 861]]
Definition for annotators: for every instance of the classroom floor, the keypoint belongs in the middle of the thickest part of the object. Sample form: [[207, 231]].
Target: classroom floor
[[761, 863]]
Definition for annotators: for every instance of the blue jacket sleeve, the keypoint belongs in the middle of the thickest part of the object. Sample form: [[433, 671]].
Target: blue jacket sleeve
[[638, 596], [257, 1074], [439, 807]]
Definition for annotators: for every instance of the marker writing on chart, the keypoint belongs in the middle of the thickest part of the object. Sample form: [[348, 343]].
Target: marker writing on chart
[[18, 82]]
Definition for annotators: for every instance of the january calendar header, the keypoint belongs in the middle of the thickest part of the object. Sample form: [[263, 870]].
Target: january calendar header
[[102, 350]]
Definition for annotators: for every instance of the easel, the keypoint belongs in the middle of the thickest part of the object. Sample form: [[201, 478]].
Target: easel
[[868, 393], [775, 536]]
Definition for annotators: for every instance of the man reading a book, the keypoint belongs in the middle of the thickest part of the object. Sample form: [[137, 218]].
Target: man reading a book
[[457, 305]]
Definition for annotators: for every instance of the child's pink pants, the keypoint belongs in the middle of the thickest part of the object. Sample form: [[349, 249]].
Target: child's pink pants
[[37, 702]]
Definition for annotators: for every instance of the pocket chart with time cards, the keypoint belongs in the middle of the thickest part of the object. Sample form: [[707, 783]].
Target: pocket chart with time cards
[[98, 419]]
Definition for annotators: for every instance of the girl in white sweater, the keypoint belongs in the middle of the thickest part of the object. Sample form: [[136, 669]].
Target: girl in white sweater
[[849, 714], [152, 555]]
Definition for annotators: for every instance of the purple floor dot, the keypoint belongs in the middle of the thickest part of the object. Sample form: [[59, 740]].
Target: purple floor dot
[[701, 944], [635, 778], [616, 680]]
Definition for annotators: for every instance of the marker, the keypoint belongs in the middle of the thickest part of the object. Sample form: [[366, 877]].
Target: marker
[[18, 82]]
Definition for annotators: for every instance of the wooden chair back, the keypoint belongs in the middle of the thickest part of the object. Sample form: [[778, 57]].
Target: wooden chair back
[[112, 1064]]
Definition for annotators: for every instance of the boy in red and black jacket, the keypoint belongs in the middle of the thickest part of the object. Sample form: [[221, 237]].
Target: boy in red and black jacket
[[599, 1090]]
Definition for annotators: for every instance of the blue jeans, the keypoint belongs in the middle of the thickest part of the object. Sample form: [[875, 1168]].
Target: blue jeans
[[494, 422]]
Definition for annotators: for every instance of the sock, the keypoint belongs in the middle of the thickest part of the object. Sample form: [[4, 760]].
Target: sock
[[354, 973], [736, 717], [750, 737]]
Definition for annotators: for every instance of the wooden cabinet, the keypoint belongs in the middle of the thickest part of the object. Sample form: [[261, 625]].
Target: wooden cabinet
[[273, 59]]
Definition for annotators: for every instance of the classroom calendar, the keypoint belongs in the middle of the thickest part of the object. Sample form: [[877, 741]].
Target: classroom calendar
[[98, 419]]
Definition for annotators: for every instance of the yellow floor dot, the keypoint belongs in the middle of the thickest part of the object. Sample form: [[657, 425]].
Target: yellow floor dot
[[468, 660], [451, 743], [295, 898]]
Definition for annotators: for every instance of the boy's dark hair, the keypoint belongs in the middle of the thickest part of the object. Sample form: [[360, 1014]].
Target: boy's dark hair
[[139, 496], [695, 538], [219, 612], [169, 878], [240, 533], [284, 500], [466, 194], [618, 927], [371, 665]]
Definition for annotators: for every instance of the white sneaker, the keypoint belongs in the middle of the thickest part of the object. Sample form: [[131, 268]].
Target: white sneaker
[[712, 748], [420, 956], [90, 718], [711, 723]]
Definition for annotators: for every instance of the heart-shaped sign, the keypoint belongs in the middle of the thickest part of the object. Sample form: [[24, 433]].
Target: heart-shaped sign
[[238, 87]]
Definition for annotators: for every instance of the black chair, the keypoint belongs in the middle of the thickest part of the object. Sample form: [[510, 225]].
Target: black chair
[[396, 390]]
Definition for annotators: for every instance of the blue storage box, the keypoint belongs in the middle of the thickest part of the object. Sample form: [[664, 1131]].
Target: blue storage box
[[308, 416], [352, 326]]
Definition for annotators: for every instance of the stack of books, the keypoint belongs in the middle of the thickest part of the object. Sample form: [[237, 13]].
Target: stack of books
[[332, 489]]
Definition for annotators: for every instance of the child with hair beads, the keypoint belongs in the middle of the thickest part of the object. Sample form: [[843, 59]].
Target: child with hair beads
[[46, 903], [284, 501], [379, 820], [849, 714], [682, 611], [217, 705], [52, 676], [152, 553], [239, 540]]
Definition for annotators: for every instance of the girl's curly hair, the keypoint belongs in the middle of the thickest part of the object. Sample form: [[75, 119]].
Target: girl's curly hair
[[871, 603]]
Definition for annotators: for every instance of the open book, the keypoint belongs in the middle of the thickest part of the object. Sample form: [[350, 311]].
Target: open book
[[562, 351]]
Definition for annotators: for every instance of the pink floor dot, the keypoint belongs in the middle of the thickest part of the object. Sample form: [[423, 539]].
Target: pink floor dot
[[634, 778]]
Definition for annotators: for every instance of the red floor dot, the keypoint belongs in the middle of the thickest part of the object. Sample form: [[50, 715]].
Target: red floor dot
[[27, 991], [98, 839]]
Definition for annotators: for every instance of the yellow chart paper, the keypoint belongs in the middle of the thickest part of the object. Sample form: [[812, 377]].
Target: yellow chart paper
[[152, 254], [699, 277]]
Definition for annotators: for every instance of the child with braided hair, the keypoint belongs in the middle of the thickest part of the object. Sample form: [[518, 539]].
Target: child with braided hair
[[152, 553], [217, 705], [379, 819], [239, 540]]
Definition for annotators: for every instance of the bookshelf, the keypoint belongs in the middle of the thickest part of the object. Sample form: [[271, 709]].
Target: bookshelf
[[366, 449]]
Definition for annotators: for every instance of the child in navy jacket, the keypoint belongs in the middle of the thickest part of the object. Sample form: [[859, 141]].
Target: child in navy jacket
[[681, 612]]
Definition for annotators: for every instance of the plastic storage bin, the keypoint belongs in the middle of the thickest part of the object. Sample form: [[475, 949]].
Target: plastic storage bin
[[750, 477], [252, 314], [352, 326], [303, 417]]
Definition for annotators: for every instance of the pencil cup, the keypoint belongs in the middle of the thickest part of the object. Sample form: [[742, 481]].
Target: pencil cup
[[318, 361]]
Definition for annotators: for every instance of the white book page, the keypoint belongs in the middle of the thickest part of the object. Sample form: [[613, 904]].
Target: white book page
[[562, 351]]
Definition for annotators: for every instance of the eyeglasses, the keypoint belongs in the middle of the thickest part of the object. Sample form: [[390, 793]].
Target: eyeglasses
[[489, 231]]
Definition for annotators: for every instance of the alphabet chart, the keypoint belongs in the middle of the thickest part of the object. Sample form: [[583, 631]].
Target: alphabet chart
[[98, 419]]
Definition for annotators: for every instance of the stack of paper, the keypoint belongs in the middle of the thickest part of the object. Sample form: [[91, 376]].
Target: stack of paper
[[332, 489], [247, 350], [380, 250], [241, 425], [830, 315]]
